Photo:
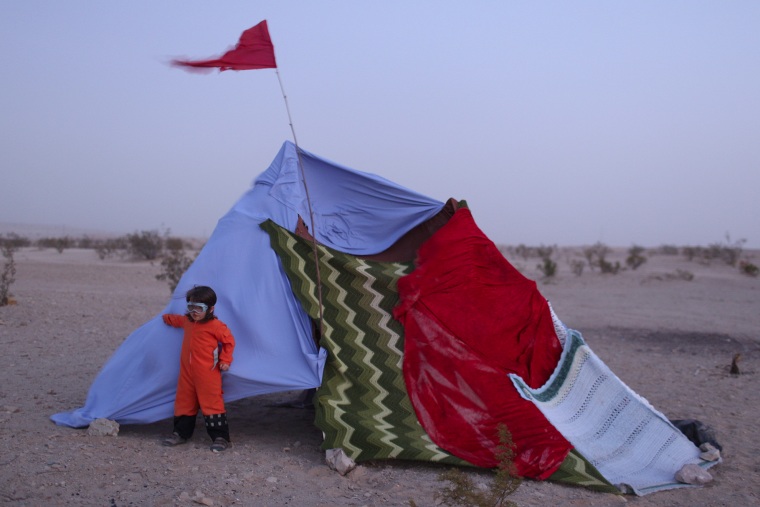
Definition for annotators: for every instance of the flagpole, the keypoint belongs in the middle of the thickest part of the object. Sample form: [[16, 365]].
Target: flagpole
[[308, 202]]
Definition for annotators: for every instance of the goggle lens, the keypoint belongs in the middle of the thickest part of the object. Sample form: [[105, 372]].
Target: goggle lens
[[196, 308]]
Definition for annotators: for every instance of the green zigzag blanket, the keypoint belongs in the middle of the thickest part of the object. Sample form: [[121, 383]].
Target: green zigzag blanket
[[362, 405]]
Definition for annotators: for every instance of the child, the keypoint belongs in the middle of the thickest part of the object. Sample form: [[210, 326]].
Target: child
[[200, 370]]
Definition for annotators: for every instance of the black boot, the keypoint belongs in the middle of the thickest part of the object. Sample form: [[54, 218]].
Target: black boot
[[184, 425], [216, 426]]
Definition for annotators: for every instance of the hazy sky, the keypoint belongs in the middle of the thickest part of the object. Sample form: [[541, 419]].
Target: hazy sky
[[559, 122]]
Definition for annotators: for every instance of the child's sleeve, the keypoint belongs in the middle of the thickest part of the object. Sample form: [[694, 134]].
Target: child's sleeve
[[228, 344], [174, 320]]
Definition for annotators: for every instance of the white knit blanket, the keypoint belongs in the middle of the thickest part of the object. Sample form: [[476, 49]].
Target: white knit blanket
[[632, 445]]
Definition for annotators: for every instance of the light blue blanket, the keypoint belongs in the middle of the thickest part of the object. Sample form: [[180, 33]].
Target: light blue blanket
[[632, 445]]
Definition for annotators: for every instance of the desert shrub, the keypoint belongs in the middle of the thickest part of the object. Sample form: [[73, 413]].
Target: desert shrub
[[59, 243], [608, 267], [523, 251], [174, 263], [678, 274], [460, 489], [174, 243], [85, 242], [728, 252], [9, 273], [667, 250], [635, 257], [548, 266], [596, 256], [576, 266], [145, 245], [690, 252], [681, 274], [748, 268], [14, 241], [109, 247]]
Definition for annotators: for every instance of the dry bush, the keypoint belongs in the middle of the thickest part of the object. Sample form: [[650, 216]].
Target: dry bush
[[748, 268], [15, 241], [596, 256], [146, 245], [548, 266], [576, 266], [635, 257], [59, 243], [667, 250], [107, 248], [9, 273], [728, 252], [174, 263]]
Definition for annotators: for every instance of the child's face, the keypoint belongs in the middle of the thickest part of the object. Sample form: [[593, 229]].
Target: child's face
[[197, 311]]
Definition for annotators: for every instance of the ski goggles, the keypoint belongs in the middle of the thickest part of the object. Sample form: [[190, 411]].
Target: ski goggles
[[196, 307]]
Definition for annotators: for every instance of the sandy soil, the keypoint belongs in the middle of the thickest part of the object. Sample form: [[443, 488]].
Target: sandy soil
[[670, 339]]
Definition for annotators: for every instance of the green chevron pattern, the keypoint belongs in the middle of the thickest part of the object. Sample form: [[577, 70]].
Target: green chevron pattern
[[362, 405]]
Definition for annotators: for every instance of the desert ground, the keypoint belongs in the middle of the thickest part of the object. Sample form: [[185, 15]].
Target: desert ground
[[670, 339]]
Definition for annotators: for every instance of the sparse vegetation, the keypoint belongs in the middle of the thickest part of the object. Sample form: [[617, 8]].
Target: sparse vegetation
[[728, 252], [548, 266], [110, 247], [682, 274], [667, 250], [748, 268], [60, 244], [635, 257], [576, 266], [460, 489], [146, 245], [14, 241], [678, 274], [596, 256], [174, 263], [9, 272]]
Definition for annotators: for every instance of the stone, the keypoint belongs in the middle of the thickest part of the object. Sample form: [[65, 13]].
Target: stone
[[693, 474], [103, 427], [338, 461], [709, 453]]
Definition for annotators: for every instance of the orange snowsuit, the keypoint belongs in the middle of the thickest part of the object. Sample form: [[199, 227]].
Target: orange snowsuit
[[200, 380]]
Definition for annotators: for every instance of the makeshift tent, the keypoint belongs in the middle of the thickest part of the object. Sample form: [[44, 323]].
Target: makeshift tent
[[421, 323], [354, 212]]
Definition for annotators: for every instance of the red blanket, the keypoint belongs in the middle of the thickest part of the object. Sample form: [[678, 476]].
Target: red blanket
[[470, 318]]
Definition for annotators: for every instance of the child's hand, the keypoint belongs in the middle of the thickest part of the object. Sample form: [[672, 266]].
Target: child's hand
[[224, 366]]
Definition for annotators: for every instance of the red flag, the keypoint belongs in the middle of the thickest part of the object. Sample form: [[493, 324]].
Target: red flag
[[254, 50]]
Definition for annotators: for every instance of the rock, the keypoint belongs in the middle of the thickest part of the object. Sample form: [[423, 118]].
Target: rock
[[337, 460], [693, 474], [103, 427], [709, 453]]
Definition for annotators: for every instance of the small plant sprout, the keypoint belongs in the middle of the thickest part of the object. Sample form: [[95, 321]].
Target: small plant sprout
[[461, 490]]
